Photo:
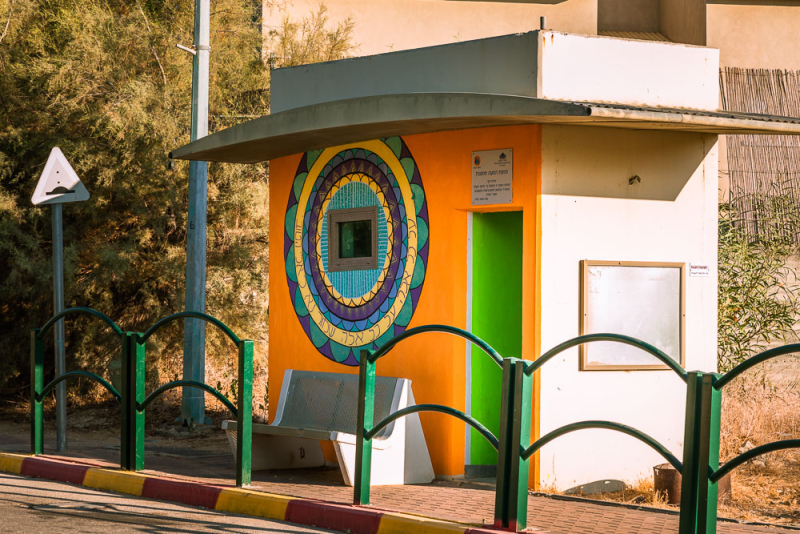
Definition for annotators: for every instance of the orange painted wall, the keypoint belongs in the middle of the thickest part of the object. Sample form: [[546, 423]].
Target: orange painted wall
[[435, 363]]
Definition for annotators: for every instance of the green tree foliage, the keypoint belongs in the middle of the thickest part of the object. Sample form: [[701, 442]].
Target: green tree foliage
[[309, 40], [758, 299], [103, 80]]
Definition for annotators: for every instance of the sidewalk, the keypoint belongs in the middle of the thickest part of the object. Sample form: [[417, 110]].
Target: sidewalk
[[206, 462]]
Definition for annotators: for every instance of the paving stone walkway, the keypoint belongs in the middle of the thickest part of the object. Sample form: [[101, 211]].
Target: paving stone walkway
[[452, 501]]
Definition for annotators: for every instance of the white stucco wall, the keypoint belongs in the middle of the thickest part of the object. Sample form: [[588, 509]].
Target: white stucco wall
[[604, 69], [589, 211]]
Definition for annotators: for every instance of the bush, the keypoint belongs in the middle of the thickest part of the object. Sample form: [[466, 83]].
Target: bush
[[758, 299]]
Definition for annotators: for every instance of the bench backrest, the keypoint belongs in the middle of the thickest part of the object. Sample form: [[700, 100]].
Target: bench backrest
[[327, 401]]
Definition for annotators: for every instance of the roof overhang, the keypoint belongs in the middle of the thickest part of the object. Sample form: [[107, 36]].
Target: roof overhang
[[346, 121]]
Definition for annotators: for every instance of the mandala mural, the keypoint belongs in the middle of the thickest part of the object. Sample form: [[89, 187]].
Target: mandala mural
[[345, 311]]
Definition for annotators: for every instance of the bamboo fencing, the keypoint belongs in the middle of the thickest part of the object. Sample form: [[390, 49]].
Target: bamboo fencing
[[764, 170]]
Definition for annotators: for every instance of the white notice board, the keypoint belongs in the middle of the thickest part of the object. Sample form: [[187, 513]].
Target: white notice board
[[492, 177], [644, 300]]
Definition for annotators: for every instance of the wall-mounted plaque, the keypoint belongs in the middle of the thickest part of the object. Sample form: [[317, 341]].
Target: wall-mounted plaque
[[492, 177]]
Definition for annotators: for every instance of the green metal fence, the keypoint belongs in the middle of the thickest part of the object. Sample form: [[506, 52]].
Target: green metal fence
[[700, 468], [132, 389]]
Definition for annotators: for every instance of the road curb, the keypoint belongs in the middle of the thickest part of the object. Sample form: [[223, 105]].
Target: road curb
[[333, 516]]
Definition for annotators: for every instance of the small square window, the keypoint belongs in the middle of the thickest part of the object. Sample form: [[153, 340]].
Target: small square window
[[353, 239]]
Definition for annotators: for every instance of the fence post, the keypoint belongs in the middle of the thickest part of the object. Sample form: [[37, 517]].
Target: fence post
[[511, 497], [523, 401], [132, 393], [715, 416], [244, 429], [700, 455], [366, 408], [37, 384], [505, 452]]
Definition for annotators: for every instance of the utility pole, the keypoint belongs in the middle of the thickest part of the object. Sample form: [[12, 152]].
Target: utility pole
[[194, 338]]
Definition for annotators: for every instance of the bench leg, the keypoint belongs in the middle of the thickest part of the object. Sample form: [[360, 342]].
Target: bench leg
[[281, 452], [404, 458]]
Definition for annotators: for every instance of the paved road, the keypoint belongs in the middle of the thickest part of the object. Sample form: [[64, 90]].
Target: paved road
[[30, 505]]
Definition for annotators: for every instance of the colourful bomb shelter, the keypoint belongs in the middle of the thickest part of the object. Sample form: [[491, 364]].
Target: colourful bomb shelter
[[527, 188]]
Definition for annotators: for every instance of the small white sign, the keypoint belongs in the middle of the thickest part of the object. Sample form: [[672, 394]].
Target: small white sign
[[699, 270], [58, 183], [492, 177]]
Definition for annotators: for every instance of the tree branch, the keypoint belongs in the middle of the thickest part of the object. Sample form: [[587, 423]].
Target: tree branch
[[152, 48], [8, 22]]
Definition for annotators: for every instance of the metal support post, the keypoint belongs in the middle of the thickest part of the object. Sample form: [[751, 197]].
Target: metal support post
[[194, 358], [58, 332], [505, 451], [244, 441], [132, 393], [700, 455], [37, 384], [511, 498], [366, 409]]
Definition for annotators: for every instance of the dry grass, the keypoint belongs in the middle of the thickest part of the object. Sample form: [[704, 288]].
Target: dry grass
[[639, 492], [763, 406]]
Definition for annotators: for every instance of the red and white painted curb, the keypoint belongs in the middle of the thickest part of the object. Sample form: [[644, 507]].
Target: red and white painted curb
[[333, 516]]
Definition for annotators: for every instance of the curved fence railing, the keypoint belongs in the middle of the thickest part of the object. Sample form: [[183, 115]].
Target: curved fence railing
[[131, 394], [753, 453], [723, 380], [452, 330], [471, 421], [616, 338], [79, 310], [79, 373], [607, 425], [366, 430], [189, 315], [190, 384]]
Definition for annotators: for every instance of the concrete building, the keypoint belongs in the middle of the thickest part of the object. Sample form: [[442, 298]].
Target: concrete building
[[528, 188], [750, 35]]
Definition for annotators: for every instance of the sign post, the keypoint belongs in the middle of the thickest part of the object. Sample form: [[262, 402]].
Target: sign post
[[58, 185]]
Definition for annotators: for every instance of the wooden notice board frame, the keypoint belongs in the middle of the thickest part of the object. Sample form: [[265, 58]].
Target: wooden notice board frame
[[585, 364]]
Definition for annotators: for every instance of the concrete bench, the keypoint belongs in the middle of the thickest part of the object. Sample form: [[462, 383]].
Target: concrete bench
[[315, 407]]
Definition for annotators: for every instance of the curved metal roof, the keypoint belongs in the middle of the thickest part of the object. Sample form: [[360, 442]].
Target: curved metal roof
[[345, 121]]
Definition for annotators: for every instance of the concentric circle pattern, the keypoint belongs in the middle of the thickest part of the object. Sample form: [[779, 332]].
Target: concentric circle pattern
[[344, 312]]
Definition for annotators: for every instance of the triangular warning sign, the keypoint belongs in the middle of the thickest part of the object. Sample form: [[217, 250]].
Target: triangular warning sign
[[59, 183]]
